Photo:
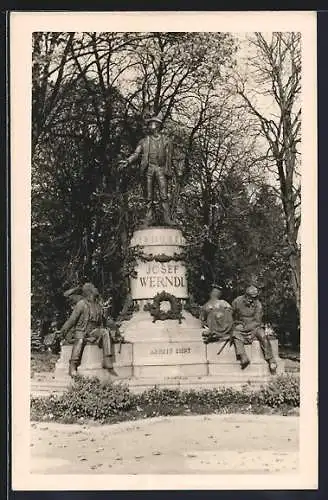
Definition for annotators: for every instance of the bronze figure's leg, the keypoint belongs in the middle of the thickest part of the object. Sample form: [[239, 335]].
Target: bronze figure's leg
[[266, 349], [162, 183], [150, 176], [107, 350], [239, 343], [76, 355], [150, 186]]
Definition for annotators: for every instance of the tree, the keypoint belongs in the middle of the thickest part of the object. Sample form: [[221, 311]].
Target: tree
[[221, 161], [75, 232], [51, 77], [179, 75], [92, 93], [277, 75]]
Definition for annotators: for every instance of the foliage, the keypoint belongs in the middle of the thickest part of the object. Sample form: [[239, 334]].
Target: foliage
[[36, 342], [243, 245], [92, 93], [284, 390], [88, 398], [43, 362], [91, 399], [277, 69], [164, 401]]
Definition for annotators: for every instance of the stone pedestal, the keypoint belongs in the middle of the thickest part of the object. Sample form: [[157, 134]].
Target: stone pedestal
[[173, 364], [162, 268], [91, 362], [168, 353]]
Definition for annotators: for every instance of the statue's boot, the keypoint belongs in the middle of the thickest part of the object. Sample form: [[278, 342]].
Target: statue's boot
[[166, 214], [149, 215], [77, 350], [72, 370], [107, 350], [267, 352], [273, 366], [240, 349], [244, 361]]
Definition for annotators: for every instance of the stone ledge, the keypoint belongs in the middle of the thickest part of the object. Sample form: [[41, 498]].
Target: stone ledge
[[167, 353], [169, 364], [137, 385]]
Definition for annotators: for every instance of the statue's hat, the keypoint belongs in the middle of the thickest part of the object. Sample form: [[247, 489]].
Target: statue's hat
[[88, 288], [217, 286], [252, 291], [156, 118]]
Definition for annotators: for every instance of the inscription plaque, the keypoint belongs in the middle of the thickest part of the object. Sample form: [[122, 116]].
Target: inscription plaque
[[154, 277], [172, 353]]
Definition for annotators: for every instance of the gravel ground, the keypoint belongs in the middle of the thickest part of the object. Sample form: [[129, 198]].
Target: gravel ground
[[213, 444]]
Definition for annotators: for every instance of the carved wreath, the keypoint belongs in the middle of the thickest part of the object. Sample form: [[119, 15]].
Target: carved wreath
[[158, 314], [162, 257]]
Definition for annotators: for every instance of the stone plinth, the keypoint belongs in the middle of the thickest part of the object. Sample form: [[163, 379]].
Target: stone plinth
[[157, 272], [174, 364], [61, 368], [140, 328], [91, 362], [226, 365], [169, 353], [169, 359]]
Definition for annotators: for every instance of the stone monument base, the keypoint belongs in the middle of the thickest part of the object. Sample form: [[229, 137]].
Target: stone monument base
[[180, 364], [161, 351]]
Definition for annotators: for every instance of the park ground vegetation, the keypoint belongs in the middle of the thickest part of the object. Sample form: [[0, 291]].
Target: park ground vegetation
[[92, 400]]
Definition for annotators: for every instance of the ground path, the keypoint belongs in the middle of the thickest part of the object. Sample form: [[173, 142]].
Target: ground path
[[169, 445]]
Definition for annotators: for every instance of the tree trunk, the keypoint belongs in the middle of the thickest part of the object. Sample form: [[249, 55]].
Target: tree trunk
[[295, 267]]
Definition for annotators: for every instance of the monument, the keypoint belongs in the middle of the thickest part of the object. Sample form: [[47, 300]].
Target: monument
[[164, 344], [154, 154]]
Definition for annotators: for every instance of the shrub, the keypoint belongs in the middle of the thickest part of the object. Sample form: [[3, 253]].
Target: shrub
[[36, 342], [89, 398], [281, 391], [166, 401], [43, 362]]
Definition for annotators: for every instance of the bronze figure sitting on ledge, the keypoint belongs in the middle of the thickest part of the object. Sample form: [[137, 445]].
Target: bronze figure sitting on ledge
[[240, 324]]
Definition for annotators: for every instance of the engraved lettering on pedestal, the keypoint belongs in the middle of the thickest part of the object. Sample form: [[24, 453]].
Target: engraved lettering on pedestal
[[155, 277], [151, 239], [163, 351], [170, 350], [183, 350]]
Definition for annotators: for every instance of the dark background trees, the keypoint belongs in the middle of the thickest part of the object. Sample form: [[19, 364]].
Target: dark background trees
[[276, 68], [92, 94]]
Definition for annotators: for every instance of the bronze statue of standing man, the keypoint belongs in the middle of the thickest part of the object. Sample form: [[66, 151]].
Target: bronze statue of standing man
[[154, 154]]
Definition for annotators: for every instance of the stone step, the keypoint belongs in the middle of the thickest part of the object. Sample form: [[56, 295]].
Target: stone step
[[43, 393], [198, 382], [43, 376], [51, 383], [45, 388]]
